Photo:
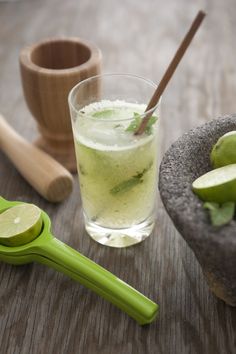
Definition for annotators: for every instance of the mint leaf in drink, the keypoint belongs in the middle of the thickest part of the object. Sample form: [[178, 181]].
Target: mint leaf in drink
[[140, 174], [128, 184], [134, 123], [152, 120], [105, 113], [137, 121], [118, 126], [81, 169], [220, 214]]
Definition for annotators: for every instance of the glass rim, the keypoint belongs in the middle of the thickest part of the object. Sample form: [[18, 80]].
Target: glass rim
[[133, 76]]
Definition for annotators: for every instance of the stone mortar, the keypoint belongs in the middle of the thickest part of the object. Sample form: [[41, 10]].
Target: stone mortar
[[214, 247]]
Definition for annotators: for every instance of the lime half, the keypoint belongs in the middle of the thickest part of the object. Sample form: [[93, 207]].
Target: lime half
[[20, 224], [224, 151], [218, 185]]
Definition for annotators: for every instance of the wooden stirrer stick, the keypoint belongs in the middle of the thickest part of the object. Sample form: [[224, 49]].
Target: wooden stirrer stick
[[171, 69]]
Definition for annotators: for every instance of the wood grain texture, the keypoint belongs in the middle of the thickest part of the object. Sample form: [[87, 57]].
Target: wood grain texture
[[42, 311]]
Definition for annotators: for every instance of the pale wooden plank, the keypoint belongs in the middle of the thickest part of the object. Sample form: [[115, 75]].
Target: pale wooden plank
[[42, 311]]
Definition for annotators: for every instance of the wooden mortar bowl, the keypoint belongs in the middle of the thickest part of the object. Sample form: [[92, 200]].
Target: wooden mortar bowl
[[49, 70]]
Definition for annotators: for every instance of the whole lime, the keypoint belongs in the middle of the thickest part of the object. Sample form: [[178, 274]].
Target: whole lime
[[224, 151]]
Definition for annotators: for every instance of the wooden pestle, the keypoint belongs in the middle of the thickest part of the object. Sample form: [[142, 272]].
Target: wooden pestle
[[46, 175]]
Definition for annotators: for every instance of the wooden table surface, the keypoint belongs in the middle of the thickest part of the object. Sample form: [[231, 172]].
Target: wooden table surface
[[42, 311]]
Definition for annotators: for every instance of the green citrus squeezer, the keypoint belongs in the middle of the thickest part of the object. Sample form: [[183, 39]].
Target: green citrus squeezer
[[44, 248]]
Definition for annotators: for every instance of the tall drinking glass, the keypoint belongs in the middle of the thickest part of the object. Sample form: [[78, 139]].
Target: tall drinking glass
[[117, 169]]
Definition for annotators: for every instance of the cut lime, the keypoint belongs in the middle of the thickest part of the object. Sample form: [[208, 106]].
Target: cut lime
[[20, 224], [224, 151], [218, 185]]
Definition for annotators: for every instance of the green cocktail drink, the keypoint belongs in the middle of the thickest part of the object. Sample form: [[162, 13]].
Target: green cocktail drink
[[117, 171]]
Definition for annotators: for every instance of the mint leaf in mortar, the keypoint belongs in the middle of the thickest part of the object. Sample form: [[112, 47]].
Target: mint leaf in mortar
[[220, 214]]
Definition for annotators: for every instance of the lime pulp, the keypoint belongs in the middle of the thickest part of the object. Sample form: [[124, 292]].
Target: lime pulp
[[20, 224], [218, 185]]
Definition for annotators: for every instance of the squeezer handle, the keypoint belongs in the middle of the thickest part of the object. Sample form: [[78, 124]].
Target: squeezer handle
[[70, 262]]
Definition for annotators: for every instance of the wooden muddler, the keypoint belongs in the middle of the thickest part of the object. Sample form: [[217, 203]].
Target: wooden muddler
[[46, 175]]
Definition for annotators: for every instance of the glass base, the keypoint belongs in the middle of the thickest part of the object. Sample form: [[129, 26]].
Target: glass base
[[119, 237]]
